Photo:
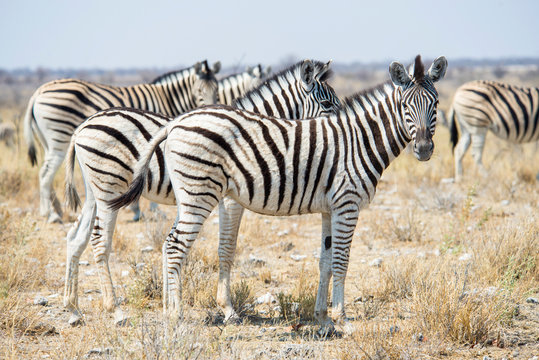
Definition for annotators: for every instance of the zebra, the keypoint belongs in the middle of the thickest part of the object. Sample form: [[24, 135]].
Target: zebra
[[510, 112], [299, 91], [58, 107], [236, 85], [329, 165], [228, 89]]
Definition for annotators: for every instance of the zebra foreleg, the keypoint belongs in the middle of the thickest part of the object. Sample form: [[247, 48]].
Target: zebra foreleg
[[230, 214], [321, 305], [77, 240], [478, 144], [101, 241]]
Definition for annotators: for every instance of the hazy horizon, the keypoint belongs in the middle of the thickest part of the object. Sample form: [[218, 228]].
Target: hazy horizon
[[59, 34]]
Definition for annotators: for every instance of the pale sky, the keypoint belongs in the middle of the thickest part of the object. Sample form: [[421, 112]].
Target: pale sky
[[157, 33]]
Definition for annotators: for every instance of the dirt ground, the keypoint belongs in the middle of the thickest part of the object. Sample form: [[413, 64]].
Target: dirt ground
[[438, 270]]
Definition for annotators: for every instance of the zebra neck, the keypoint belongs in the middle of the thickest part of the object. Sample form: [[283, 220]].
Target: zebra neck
[[176, 88]]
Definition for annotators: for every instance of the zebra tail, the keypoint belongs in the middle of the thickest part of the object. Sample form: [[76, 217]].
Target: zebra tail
[[140, 174], [453, 128], [29, 121], [71, 195]]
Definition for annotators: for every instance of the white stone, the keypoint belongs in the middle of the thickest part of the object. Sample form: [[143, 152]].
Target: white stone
[[465, 257], [376, 262], [41, 300], [447, 181], [267, 298], [125, 273], [84, 263], [298, 257], [147, 249]]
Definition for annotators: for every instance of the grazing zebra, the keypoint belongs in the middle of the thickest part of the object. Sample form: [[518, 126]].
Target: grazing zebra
[[510, 112], [58, 107], [329, 165], [228, 89], [108, 146]]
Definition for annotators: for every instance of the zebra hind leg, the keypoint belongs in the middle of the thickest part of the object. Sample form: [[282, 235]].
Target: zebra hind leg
[[478, 144], [77, 240], [230, 214], [460, 150], [101, 241], [49, 205], [194, 209]]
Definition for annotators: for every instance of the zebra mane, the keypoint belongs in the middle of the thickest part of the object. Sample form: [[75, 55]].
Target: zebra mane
[[362, 97], [165, 77], [291, 71]]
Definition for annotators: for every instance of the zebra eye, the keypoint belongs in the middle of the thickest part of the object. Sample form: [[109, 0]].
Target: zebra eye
[[326, 104]]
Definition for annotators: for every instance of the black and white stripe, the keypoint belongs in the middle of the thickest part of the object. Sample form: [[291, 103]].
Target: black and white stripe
[[329, 165], [510, 112], [57, 108], [236, 85], [109, 144]]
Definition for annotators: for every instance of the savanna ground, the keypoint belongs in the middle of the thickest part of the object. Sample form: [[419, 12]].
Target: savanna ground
[[437, 270]]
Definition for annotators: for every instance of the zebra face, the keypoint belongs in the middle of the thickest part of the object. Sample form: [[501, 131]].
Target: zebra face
[[323, 99], [205, 86], [419, 102]]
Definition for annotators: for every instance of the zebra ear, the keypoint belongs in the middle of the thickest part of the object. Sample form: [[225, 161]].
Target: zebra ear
[[267, 72], [307, 73], [216, 67], [437, 69], [197, 67], [398, 74], [325, 73]]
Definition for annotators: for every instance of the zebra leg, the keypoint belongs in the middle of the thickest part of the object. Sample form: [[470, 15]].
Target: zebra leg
[[193, 210], [321, 305], [164, 263], [478, 144], [135, 208], [49, 205], [460, 150], [230, 213], [77, 240], [343, 224], [101, 241]]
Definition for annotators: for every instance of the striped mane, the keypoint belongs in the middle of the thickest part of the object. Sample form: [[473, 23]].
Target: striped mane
[[169, 75], [362, 98], [275, 78]]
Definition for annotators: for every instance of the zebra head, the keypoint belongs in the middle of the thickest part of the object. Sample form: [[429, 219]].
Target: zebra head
[[322, 98], [419, 101], [204, 87]]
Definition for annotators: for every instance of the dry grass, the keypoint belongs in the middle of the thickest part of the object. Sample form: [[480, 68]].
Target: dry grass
[[456, 263]]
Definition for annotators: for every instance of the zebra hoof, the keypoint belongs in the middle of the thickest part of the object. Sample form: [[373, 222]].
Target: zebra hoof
[[54, 218], [328, 331], [120, 319], [76, 319]]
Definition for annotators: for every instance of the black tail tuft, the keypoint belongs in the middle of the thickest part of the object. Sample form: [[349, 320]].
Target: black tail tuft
[[32, 155], [453, 129], [132, 194]]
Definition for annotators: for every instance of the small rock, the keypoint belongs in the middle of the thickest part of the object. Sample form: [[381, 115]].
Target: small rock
[[376, 262], [125, 273], [90, 291], [140, 236], [90, 272], [532, 300], [266, 299], [256, 261], [504, 202], [84, 263], [465, 257], [486, 357], [98, 351], [447, 181], [41, 300], [419, 337], [53, 296], [298, 257], [140, 266], [147, 249], [283, 232]]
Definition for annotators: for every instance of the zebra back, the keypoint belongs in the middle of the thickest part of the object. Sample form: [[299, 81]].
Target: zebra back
[[510, 112]]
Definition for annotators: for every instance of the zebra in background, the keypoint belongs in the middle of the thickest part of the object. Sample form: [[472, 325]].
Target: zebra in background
[[109, 144], [58, 107], [510, 112], [329, 165], [229, 88], [236, 85]]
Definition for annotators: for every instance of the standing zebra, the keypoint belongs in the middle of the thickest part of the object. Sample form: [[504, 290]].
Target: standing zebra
[[329, 165], [510, 112], [58, 107], [236, 85], [228, 89], [108, 146]]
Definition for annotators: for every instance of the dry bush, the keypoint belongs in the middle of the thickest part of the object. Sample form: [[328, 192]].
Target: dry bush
[[409, 230], [242, 298], [299, 305]]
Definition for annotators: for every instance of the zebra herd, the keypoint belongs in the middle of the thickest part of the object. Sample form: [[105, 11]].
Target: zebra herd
[[277, 145]]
